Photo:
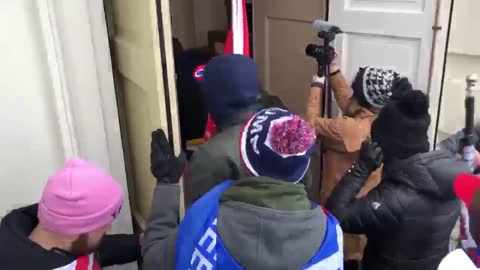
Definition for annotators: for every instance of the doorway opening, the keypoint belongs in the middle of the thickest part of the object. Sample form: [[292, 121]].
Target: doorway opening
[[199, 31], [155, 46], [462, 59]]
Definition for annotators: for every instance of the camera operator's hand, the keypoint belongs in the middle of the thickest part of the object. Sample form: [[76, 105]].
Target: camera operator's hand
[[164, 165], [371, 156], [335, 65]]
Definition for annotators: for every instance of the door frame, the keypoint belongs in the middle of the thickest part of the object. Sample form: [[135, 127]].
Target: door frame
[[438, 65], [78, 55]]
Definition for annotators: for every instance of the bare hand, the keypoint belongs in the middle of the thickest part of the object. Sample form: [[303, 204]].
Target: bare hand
[[336, 63]]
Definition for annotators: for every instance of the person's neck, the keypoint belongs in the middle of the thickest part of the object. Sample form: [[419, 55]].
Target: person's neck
[[49, 240]]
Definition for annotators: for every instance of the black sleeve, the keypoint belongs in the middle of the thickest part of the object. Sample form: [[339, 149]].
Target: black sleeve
[[119, 249], [367, 214]]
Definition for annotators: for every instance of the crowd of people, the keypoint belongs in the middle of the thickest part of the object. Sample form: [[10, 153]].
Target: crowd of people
[[386, 201]]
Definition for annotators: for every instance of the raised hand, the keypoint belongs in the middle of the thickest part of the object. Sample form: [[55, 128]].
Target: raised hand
[[164, 165]]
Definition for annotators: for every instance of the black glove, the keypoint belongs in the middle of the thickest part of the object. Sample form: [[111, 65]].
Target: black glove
[[164, 165], [371, 156]]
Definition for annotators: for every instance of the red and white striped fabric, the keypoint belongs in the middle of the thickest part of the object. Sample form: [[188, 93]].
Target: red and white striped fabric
[[82, 263], [238, 42]]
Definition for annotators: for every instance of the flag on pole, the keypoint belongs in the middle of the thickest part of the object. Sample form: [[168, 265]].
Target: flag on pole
[[237, 42]]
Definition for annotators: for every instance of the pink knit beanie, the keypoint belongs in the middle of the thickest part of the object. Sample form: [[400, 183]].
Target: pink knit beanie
[[80, 198]]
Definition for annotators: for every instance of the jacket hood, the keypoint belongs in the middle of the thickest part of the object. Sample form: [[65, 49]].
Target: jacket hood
[[265, 238], [17, 251], [431, 173], [224, 121]]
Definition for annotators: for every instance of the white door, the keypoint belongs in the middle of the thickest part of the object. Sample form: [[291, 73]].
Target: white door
[[393, 34]]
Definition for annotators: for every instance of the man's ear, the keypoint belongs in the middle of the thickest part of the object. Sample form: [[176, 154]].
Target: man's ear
[[474, 214]]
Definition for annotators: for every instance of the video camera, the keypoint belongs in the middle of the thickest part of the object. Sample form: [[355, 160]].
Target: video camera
[[324, 54]]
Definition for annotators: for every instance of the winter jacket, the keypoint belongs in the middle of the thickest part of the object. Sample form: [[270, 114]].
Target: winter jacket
[[263, 223], [192, 110], [452, 143], [219, 158], [408, 217], [341, 139], [18, 252]]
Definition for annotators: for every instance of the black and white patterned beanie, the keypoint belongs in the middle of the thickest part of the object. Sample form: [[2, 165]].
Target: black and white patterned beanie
[[373, 86]]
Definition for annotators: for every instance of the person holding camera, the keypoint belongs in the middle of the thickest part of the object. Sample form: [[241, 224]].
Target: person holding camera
[[342, 137], [409, 216]]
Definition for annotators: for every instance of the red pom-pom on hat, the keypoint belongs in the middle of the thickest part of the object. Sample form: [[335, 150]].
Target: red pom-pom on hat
[[291, 137]]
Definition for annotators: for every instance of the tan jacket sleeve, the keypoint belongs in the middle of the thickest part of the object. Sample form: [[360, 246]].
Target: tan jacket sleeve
[[330, 128], [342, 91], [323, 127]]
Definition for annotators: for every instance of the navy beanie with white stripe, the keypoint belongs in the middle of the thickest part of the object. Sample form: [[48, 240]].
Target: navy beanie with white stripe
[[277, 144], [229, 84]]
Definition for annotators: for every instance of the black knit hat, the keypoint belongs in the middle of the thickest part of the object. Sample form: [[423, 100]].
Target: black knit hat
[[373, 87], [401, 128]]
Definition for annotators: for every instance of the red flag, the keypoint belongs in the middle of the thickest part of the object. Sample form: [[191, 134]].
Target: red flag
[[238, 42]]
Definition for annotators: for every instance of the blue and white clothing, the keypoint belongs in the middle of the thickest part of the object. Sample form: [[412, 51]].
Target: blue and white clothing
[[200, 247]]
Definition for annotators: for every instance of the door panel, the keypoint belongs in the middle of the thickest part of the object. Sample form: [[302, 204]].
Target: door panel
[[282, 30], [140, 80], [393, 34]]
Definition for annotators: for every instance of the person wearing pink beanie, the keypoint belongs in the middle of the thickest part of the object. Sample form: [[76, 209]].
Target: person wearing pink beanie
[[67, 228]]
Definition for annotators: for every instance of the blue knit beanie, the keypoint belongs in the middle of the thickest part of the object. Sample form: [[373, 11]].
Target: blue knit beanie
[[277, 144], [229, 84]]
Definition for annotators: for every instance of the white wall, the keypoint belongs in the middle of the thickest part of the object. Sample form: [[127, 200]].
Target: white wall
[[463, 58], [57, 98], [30, 140]]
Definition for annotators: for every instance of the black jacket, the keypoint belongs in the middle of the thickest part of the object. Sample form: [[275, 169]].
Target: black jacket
[[408, 218], [18, 252]]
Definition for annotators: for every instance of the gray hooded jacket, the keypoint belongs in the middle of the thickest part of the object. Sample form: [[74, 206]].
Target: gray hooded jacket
[[257, 237]]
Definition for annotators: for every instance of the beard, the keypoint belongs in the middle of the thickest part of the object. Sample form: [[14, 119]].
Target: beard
[[83, 245]]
